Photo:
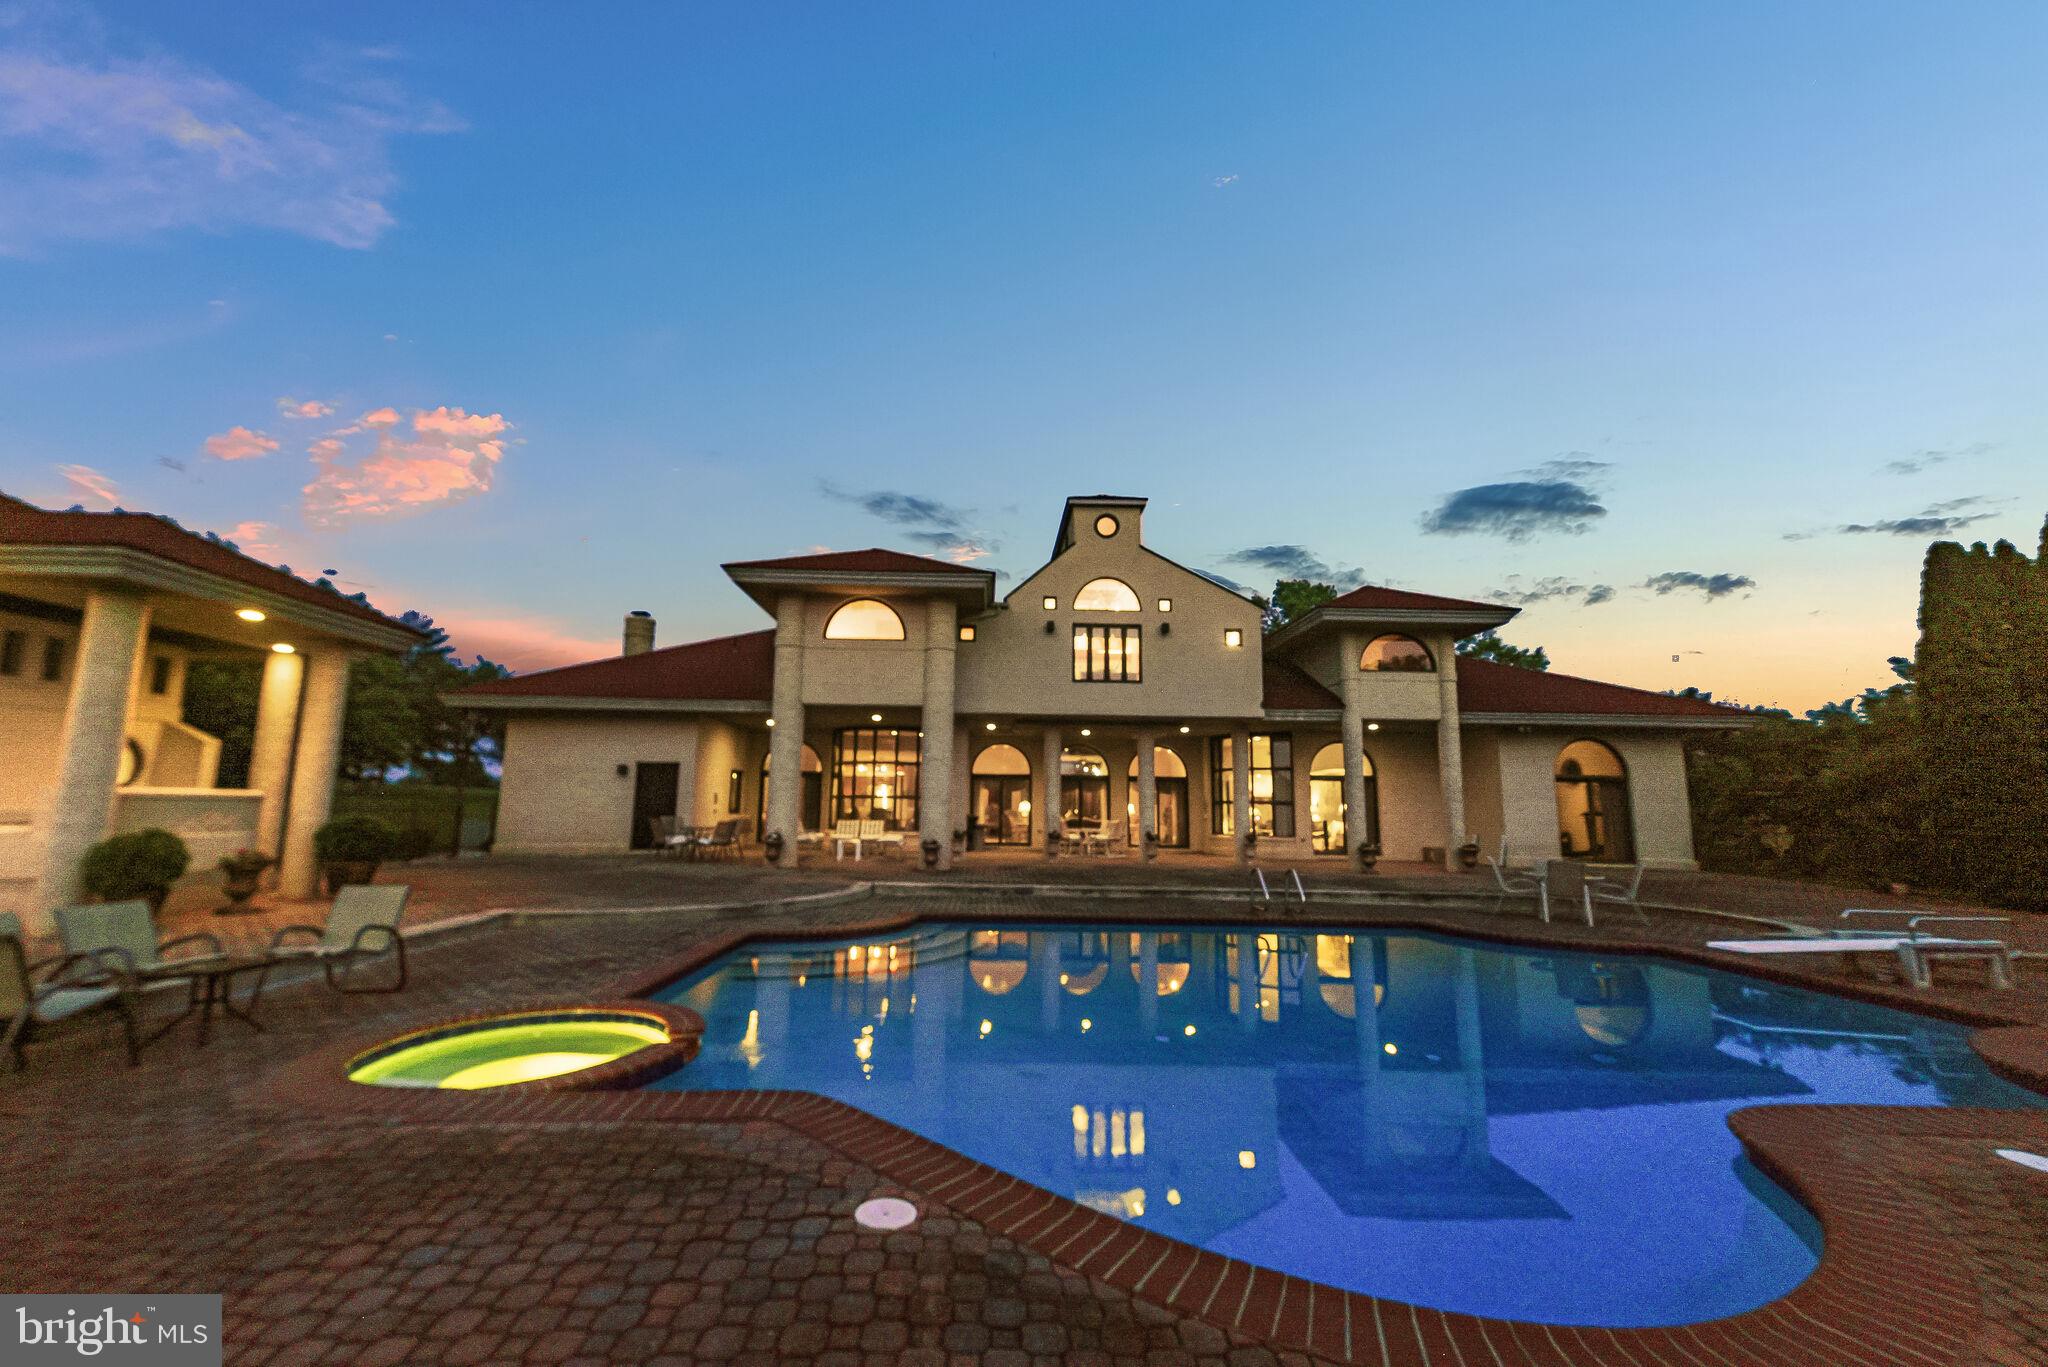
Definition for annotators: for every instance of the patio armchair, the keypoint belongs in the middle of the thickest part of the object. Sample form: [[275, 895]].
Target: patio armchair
[[1508, 884], [1104, 840], [1618, 892], [75, 985], [874, 832], [362, 924], [666, 838], [129, 931], [722, 839]]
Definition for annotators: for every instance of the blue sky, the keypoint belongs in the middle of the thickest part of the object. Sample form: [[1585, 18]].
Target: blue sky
[[1642, 305]]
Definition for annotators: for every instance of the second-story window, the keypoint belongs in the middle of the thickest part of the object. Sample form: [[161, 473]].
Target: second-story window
[[12, 646], [1106, 654], [53, 660]]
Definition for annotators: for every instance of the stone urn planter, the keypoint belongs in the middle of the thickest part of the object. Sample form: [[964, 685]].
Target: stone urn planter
[[1368, 856], [241, 875], [1468, 855]]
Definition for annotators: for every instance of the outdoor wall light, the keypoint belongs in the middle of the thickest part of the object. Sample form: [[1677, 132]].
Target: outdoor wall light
[[1166, 605], [1051, 603], [249, 614], [282, 648], [1233, 638], [620, 771], [967, 633]]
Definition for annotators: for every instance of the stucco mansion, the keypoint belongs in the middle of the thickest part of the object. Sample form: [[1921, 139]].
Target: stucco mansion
[[1112, 695]]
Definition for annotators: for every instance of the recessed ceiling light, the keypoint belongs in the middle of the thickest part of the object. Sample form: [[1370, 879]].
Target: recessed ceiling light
[[282, 648], [1184, 730], [1372, 726], [874, 716], [1086, 732], [990, 725], [771, 721], [249, 614]]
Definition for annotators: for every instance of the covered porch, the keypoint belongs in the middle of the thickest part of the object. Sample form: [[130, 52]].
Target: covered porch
[[102, 615]]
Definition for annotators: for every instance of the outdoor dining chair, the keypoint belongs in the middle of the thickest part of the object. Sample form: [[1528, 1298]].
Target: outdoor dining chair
[[1508, 884], [1618, 892], [75, 986], [362, 924], [125, 932]]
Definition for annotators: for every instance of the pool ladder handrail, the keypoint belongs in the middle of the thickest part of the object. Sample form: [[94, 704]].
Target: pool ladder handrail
[[1264, 900]]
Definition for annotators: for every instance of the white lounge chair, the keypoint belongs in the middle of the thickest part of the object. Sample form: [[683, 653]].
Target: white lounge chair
[[1911, 951]]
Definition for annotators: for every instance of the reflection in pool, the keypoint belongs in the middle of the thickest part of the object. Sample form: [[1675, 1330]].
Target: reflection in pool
[[1498, 1131]]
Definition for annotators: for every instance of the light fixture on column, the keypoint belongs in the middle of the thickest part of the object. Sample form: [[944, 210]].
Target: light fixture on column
[[284, 648], [249, 614]]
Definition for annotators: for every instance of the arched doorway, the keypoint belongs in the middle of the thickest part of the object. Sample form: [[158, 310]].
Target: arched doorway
[[1593, 819], [1326, 812], [810, 809], [1002, 796], [1084, 789], [1170, 789]]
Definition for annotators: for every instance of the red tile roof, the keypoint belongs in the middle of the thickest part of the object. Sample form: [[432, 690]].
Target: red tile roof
[[24, 524], [1486, 686], [1290, 688], [728, 669], [873, 560], [1373, 596]]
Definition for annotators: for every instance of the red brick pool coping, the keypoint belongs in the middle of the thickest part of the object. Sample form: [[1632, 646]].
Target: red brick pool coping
[[1892, 1288]]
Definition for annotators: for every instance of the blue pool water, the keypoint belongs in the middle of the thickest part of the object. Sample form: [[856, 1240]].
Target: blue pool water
[[1500, 1131]]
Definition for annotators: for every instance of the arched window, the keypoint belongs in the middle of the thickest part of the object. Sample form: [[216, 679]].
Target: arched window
[[811, 805], [1084, 788], [1328, 823], [864, 619], [1593, 817], [1165, 764], [1170, 793], [1398, 654], [1106, 595]]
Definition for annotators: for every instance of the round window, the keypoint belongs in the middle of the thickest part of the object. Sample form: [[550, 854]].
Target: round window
[[1105, 525]]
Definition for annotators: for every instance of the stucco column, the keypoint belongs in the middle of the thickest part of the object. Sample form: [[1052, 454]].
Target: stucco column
[[1354, 741], [786, 742], [1148, 792], [1241, 788], [1049, 797], [313, 764], [270, 753], [935, 759], [1450, 750], [89, 747]]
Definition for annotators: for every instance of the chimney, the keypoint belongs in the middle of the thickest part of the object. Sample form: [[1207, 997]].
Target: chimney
[[638, 638]]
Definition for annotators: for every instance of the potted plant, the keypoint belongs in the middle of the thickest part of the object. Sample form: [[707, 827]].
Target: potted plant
[[240, 871], [1468, 855], [1368, 855], [134, 864], [350, 848]]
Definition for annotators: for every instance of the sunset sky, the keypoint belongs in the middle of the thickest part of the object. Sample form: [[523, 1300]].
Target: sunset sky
[[1686, 325]]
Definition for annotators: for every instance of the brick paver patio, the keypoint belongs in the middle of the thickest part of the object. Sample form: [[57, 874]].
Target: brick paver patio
[[616, 1233]]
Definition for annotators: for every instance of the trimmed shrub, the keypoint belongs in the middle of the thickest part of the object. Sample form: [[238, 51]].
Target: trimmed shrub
[[355, 839], [134, 864]]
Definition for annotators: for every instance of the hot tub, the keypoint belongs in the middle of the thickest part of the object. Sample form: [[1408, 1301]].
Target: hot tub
[[566, 1047]]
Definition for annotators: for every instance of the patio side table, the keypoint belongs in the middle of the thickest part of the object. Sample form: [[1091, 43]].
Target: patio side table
[[210, 985]]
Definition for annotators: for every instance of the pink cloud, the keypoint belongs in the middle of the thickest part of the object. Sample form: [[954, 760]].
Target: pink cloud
[[239, 443], [452, 455], [258, 539], [306, 408], [520, 643], [89, 484]]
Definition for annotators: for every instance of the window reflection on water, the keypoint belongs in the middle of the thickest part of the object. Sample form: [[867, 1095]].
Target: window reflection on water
[[1471, 1127]]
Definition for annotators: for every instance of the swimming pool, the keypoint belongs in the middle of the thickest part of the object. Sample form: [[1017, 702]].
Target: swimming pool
[[1506, 1132]]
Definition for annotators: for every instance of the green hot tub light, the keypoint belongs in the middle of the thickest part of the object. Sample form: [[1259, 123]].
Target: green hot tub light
[[507, 1049]]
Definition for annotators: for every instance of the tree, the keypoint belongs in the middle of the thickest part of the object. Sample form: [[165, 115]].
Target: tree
[[1292, 599], [1488, 645]]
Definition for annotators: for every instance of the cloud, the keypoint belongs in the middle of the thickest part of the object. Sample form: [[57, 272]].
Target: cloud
[[449, 455], [1517, 510], [1298, 562], [239, 443], [308, 408], [1712, 585], [104, 138], [1551, 587], [1573, 465], [1222, 181], [941, 528], [89, 484], [521, 643], [258, 539], [171, 463], [1935, 455], [1936, 519]]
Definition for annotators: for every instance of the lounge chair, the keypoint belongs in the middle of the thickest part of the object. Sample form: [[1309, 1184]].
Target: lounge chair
[[1912, 950], [76, 985], [1508, 885], [362, 924], [873, 832], [1104, 840], [1617, 892], [125, 933], [721, 839]]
